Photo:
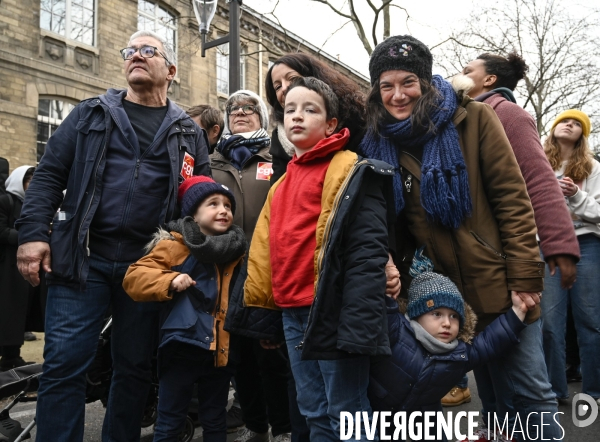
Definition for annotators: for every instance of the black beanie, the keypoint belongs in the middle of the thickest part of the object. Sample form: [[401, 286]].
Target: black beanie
[[401, 52]]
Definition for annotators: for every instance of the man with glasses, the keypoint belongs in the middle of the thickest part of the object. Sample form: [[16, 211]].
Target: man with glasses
[[120, 156]]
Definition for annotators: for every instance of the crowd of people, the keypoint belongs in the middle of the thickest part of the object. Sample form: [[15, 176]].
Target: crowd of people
[[363, 256]]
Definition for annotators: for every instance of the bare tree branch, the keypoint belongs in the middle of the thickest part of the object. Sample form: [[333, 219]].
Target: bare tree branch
[[348, 10], [377, 11], [337, 11], [360, 30], [562, 51], [332, 34]]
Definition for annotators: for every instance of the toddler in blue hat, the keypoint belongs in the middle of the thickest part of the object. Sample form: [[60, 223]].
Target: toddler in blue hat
[[432, 343]]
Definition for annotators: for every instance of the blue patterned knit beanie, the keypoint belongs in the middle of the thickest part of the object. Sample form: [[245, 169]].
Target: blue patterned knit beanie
[[429, 290]]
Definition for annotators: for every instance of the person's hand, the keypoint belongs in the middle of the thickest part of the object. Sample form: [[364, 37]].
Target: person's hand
[[531, 299], [519, 307], [392, 284], [29, 257], [568, 269], [181, 282], [270, 345], [568, 187]]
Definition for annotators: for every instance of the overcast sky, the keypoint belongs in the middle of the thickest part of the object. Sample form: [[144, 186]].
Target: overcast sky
[[430, 21]]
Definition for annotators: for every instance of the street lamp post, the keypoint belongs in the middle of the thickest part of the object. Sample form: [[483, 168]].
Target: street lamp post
[[205, 11]]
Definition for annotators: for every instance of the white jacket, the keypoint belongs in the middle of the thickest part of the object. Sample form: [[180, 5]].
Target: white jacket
[[585, 204]]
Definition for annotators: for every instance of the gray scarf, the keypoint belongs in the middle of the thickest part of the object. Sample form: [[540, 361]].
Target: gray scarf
[[431, 344], [220, 249]]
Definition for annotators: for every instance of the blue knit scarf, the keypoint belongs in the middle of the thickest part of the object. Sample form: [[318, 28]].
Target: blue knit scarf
[[445, 192], [239, 148]]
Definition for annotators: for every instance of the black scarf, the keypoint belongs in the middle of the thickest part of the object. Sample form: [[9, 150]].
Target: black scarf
[[220, 249]]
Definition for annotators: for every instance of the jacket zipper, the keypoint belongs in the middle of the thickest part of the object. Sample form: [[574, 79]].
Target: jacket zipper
[[217, 308], [408, 182], [485, 244], [409, 177], [92, 197], [326, 234]]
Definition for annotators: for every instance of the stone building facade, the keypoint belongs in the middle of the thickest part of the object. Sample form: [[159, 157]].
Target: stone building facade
[[54, 53]]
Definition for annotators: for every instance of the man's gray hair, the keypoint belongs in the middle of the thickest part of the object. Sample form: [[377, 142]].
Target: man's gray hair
[[167, 49]]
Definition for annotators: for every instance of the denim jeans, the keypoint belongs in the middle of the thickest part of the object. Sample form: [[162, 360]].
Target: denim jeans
[[464, 382], [325, 387], [518, 383], [180, 367], [73, 322], [584, 297]]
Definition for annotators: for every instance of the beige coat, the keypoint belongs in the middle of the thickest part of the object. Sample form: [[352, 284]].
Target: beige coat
[[248, 187]]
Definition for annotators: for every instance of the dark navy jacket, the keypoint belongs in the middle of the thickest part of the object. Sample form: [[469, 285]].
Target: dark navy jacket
[[189, 317], [413, 379], [76, 160]]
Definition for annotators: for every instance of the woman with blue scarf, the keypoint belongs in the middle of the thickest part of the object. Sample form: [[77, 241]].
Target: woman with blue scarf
[[459, 193]]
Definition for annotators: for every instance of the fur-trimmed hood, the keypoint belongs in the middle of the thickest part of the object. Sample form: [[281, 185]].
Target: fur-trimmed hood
[[467, 331], [462, 85], [157, 237]]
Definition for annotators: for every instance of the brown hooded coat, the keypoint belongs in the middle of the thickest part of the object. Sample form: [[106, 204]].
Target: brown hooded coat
[[495, 250]]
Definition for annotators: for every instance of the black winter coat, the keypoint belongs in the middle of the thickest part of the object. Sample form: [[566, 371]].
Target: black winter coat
[[14, 290], [348, 276]]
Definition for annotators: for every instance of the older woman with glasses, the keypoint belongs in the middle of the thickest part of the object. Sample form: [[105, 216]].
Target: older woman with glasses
[[241, 159]]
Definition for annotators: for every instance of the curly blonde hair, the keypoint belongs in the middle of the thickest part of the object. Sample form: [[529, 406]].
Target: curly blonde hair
[[580, 164]]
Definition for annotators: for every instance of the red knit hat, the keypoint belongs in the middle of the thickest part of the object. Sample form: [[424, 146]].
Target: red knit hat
[[196, 189]]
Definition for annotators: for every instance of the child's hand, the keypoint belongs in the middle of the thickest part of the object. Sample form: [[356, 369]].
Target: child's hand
[[519, 306], [392, 285], [181, 282]]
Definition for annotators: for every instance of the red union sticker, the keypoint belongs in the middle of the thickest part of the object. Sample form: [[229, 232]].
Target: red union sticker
[[264, 171], [187, 168]]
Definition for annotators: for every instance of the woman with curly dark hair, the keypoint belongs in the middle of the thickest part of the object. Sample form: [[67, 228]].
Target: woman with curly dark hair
[[279, 76]]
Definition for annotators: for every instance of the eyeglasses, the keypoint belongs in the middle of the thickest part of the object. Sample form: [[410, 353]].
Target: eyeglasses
[[145, 51], [247, 109]]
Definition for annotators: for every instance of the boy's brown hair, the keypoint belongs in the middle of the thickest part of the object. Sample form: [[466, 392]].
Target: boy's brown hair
[[329, 98]]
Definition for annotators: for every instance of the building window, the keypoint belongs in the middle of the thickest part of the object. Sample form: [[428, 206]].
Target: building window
[[74, 19], [223, 69], [152, 17], [50, 114]]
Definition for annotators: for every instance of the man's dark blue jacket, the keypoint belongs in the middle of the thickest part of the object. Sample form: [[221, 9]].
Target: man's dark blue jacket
[[123, 194]]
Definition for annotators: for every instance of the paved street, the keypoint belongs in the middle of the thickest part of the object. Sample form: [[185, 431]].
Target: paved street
[[95, 412]]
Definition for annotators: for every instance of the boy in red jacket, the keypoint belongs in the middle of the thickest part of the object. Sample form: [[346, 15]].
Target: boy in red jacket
[[318, 253]]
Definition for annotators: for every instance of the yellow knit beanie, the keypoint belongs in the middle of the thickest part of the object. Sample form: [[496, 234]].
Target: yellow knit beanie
[[575, 114]]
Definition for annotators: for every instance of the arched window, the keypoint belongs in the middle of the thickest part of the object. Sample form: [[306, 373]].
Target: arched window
[[74, 19], [155, 18], [50, 114]]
